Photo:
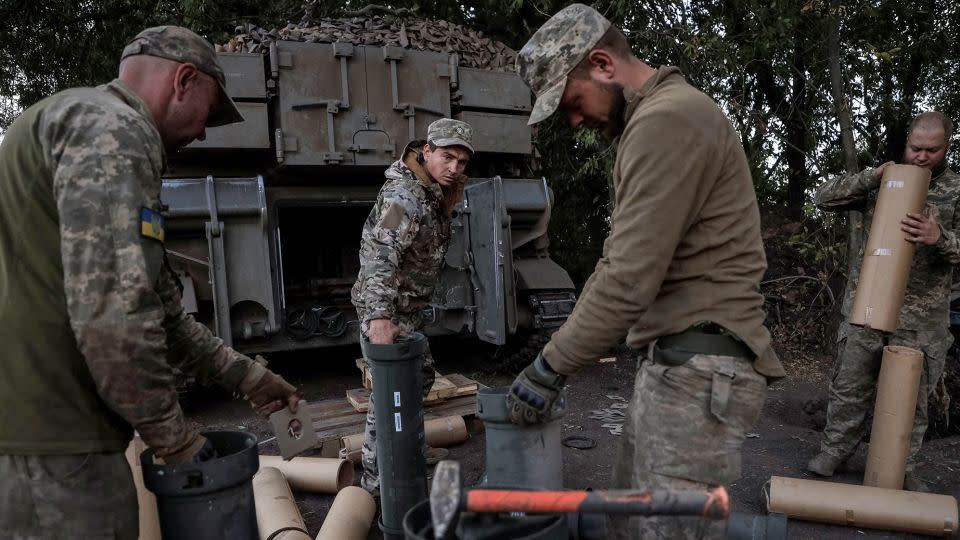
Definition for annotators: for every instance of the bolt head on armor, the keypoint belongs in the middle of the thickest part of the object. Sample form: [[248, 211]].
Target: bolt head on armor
[[182, 45], [450, 132], [554, 50]]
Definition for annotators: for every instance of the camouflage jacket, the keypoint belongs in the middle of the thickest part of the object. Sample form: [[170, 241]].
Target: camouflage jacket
[[927, 300], [96, 189], [403, 244]]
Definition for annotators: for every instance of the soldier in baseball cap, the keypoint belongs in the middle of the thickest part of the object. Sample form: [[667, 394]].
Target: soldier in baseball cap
[[402, 248], [450, 132], [579, 63], [681, 268], [554, 50], [91, 318], [184, 46]]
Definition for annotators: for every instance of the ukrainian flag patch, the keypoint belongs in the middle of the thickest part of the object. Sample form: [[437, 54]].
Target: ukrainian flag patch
[[151, 224]]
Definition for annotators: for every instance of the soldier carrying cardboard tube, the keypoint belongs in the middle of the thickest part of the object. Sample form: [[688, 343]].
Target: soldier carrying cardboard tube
[[680, 269], [90, 315], [403, 245], [924, 322]]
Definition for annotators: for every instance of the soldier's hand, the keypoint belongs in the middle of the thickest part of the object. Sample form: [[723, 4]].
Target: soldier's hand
[[453, 194], [197, 449], [382, 332], [267, 391], [920, 228], [534, 393], [878, 172]]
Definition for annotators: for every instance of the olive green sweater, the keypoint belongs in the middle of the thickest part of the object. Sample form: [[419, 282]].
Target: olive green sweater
[[684, 243]]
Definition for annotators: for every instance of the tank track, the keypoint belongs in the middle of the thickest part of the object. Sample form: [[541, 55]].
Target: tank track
[[519, 351]]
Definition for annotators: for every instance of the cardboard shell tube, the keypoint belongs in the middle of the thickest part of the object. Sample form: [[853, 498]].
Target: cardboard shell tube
[[896, 405], [278, 517], [446, 431], [315, 475], [439, 432], [146, 500], [863, 506], [350, 516], [888, 255]]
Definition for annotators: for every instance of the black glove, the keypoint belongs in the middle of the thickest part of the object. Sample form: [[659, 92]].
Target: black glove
[[534, 393]]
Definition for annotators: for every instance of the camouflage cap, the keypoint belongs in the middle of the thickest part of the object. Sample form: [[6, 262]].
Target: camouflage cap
[[183, 45], [450, 132], [554, 50]]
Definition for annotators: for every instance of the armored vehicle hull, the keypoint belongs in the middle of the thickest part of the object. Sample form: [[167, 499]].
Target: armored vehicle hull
[[264, 216]]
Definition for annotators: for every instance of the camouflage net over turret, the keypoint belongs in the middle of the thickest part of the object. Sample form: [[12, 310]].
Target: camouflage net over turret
[[474, 50]]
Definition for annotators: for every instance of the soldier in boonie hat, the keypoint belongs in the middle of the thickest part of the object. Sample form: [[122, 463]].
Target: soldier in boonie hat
[[183, 45], [450, 132]]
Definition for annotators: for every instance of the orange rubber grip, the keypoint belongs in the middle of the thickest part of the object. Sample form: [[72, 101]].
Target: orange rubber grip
[[534, 502]]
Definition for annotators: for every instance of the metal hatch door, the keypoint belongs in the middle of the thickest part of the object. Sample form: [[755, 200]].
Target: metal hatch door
[[232, 213], [322, 101], [491, 260], [406, 90]]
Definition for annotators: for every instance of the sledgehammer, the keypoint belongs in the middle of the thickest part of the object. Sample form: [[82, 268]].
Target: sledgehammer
[[448, 498]]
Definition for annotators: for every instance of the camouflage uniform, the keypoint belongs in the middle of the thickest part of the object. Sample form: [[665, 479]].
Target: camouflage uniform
[[91, 318], [403, 246], [924, 318], [680, 272]]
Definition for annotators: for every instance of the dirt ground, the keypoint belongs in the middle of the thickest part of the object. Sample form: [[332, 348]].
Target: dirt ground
[[786, 437]]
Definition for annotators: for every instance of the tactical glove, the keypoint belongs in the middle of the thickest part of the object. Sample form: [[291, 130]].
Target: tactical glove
[[266, 391], [197, 450], [534, 393]]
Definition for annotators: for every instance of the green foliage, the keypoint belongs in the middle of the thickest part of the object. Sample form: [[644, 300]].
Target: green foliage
[[579, 176], [765, 63]]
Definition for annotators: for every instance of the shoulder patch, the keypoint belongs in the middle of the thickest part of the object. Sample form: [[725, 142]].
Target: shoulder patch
[[392, 217], [152, 224]]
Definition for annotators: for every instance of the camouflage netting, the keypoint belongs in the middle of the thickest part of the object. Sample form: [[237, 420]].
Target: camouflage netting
[[473, 48]]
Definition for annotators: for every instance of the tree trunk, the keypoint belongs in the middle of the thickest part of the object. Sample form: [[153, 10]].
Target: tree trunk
[[799, 142], [842, 109]]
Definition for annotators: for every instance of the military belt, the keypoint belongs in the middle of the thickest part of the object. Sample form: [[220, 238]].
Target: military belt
[[709, 338]]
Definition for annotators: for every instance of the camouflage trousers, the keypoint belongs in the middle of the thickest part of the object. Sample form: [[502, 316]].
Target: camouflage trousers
[[67, 496], [853, 385], [370, 480], [685, 427]]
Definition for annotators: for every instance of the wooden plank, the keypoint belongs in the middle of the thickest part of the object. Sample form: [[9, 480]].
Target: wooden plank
[[465, 386], [366, 376], [441, 389], [359, 398], [335, 427], [459, 406]]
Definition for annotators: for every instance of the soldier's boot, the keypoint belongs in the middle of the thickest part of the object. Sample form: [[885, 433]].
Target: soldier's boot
[[434, 455], [912, 482], [824, 464]]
